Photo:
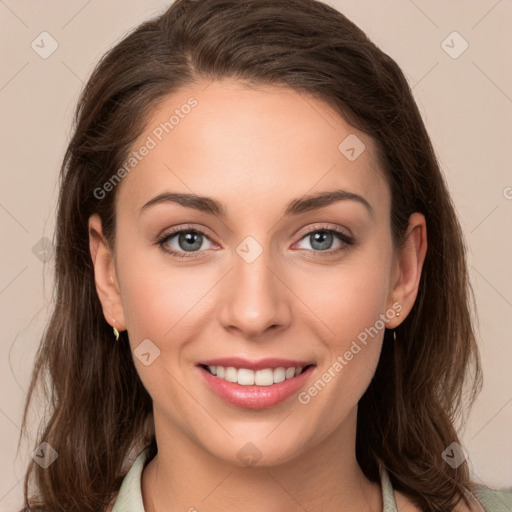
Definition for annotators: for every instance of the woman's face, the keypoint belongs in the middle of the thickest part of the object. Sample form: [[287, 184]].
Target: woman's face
[[272, 276]]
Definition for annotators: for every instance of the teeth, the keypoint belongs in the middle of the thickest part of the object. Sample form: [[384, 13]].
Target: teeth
[[231, 374], [246, 377], [279, 375], [290, 372], [264, 377]]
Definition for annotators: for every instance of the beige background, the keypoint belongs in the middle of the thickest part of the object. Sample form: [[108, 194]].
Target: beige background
[[466, 103]]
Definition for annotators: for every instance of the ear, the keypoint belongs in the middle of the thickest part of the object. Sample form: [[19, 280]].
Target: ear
[[408, 266], [105, 276]]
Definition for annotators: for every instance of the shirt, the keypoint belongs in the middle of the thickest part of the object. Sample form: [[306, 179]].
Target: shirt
[[129, 498]]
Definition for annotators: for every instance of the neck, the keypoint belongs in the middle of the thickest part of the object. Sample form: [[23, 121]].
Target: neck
[[183, 476]]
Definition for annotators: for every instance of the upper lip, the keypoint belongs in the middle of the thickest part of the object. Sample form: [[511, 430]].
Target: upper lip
[[260, 364]]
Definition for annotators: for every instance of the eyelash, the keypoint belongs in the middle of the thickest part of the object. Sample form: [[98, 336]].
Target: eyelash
[[346, 240]]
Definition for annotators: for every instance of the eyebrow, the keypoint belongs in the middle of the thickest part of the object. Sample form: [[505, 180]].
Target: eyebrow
[[296, 206]]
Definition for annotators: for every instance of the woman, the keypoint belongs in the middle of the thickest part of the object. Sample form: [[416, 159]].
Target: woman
[[262, 295]]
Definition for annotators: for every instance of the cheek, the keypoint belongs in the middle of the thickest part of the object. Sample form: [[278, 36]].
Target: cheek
[[351, 350], [156, 292], [349, 298], [167, 304], [352, 306], [351, 301], [159, 301]]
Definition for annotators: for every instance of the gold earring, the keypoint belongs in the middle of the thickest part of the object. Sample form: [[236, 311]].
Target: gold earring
[[116, 333], [394, 330]]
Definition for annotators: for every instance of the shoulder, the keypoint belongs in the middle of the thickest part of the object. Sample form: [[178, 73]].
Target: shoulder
[[494, 500], [404, 502], [485, 500], [129, 497], [110, 506]]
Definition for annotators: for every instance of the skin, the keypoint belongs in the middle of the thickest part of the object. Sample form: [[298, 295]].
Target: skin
[[254, 150]]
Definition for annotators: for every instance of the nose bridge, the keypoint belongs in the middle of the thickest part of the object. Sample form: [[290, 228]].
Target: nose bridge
[[255, 299]]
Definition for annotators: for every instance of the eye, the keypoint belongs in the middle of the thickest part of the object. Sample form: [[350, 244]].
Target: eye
[[322, 240], [184, 242], [179, 242]]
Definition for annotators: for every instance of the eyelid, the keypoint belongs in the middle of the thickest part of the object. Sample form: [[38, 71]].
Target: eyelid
[[166, 233], [326, 227]]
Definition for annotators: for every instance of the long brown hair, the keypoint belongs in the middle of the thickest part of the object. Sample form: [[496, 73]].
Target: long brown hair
[[98, 411]]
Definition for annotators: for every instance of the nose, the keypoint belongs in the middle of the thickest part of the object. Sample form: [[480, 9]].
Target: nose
[[254, 297]]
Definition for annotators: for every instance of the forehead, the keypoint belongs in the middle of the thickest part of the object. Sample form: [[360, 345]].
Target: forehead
[[236, 142]]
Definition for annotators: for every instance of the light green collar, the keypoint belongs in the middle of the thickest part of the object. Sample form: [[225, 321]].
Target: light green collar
[[129, 498]]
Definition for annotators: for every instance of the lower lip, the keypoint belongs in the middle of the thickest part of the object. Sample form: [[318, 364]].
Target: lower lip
[[255, 397]]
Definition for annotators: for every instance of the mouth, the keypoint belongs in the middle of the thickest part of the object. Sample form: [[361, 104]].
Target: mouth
[[255, 385], [248, 377]]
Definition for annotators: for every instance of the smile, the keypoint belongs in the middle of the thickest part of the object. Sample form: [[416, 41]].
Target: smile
[[247, 377], [255, 384]]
